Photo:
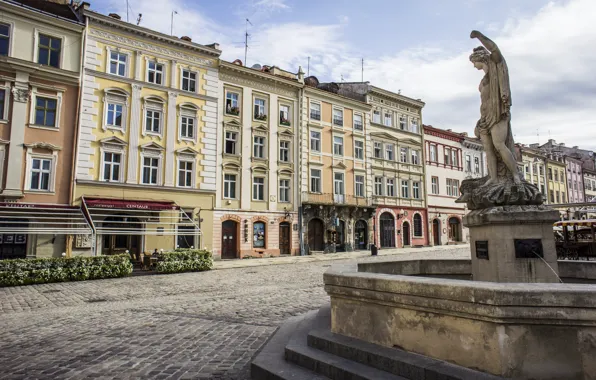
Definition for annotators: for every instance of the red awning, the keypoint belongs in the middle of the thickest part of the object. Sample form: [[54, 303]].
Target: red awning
[[130, 204]]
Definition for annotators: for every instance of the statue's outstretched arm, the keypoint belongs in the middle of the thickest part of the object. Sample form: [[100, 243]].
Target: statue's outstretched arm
[[488, 44]]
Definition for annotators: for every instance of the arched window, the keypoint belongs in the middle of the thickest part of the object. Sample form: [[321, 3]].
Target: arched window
[[417, 225], [258, 230]]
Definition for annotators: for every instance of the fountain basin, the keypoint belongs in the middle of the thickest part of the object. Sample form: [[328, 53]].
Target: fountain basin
[[516, 330]]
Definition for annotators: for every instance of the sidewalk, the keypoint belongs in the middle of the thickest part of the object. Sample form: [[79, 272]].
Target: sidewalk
[[243, 263]]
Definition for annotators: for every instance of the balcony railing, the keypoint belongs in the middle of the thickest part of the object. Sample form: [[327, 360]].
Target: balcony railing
[[335, 199]]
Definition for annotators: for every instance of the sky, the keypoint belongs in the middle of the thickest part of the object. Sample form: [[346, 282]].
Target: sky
[[420, 47]]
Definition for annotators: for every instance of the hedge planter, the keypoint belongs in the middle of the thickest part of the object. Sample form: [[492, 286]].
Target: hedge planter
[[184, 260], [60, 269]]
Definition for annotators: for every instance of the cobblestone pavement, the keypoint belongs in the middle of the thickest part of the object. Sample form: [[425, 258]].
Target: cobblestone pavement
[[186, 326]]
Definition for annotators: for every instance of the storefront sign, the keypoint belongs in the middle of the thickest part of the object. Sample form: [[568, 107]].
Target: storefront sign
[[132, 205]]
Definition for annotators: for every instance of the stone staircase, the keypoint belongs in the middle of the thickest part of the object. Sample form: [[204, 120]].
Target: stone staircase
[[305, 348]]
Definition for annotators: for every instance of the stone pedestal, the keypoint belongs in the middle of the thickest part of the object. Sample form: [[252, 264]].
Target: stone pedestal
[[513, 244]]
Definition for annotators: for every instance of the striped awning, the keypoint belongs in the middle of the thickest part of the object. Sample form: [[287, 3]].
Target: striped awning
[[33, 218], [579, 223]]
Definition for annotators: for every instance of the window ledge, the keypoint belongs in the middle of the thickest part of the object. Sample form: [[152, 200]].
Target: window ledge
[[41, 192], [259, 200], [3, 121], [153, 134], [263, 159], [54, 129], [115, 129], [188, 139]]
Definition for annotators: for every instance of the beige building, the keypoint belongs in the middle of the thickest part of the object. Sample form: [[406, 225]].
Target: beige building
[[145, 169], [256, 208], [40, 59]]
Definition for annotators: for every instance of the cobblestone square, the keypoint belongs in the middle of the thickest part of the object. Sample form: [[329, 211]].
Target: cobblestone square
[[186, 326]]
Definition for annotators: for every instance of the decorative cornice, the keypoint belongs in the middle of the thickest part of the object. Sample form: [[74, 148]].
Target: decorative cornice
[[21, 95], [43, 145], [336, 98], [254, 84], [113, 140], [132, 44], [397, 97]]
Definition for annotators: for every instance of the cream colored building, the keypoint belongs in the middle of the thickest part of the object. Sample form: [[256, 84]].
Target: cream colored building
[[256, 208], [146, 163]]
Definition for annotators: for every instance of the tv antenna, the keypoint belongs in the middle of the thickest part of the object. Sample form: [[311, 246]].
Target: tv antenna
[[139, 18], [362, 70], [172, 23], [246, 40], [308, 67]]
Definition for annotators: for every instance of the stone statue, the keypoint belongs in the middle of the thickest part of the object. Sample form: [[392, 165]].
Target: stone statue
[[504, 184]]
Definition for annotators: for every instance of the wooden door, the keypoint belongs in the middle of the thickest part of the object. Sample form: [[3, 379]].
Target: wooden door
[[315, 235], [360, 235], [229, 240], [406, 232], [387, 230], [436, 232], [284, 239]]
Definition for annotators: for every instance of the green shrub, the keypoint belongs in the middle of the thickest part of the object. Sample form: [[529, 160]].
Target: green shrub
[[58, 269], [184, 260]]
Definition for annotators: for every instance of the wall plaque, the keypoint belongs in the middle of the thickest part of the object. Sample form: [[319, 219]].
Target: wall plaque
[[528, 248], [482, 249]]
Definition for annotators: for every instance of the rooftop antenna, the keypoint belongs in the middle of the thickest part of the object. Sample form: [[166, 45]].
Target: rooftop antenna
[[126, 10], [172, 23], [246, 40], [139, 18], [308, 67], [362, 70]]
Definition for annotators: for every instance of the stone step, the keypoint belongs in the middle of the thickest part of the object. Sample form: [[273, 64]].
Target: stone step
[[390, 360]]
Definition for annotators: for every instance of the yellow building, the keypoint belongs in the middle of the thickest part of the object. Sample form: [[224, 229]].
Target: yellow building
[[546, 172], [145, 168]]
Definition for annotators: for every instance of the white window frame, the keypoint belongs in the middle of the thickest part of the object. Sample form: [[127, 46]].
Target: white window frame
[[468, 163], [341, 112], [238, 102], [433, 152], [358, 149], [401, 160], [340, 145], [288, 149], [390, 184], [155, 71], [416, 190], [58, 97], [114, 96], [121, 152], [196, 80], [405, 185], [414, 122], [154, 105], [236, 142], [10, 36], [288, 189], [415, 156], [354, 124], [379, 186], [389, 149], [37, 32], [434, 185], [50, 171], [403, 122], [264, 184], [7, 99], [310, 109], [227, 186], [193, 171], [342, 183], [375, 114], [263, 107], [188, 112], [289, 115], [379, 145], [319, 189], [127, 64], [54, 164], [318, 139], [159, 157], [387, 117], [262, 145], [359, 185]]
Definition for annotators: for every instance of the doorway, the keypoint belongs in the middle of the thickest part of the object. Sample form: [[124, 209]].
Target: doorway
[[360, 235], [454, 229], [229, 240], [436, 232], [117, 244], [406, 233], [341, 237], [13, 246], [284, 239], [387, 223], [315, 235]]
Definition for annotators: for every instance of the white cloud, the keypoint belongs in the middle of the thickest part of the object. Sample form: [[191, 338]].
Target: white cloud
[[273, 4]]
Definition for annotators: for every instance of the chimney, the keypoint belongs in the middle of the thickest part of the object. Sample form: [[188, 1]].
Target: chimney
[[186, 38], [300, 75], [115, 15], [214, 45]]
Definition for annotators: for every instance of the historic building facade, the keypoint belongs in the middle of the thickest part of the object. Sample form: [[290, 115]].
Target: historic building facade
[[40, 59], [335, 171], [146, 163], [446, 168], [397, 167], [474, 157], [256, 209], [590, 185]]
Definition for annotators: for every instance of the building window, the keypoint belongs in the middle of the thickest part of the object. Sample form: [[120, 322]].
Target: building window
[[378, 149], [258, 232], [232, 103], [2, 101], [550, 174], [377, 117], [41, 171], [284, 151], [476, 165], [452, 187], [315, 141], [541, 169], [390, 187], [434, 185], [563, 197], [552, 196], [153, 121], [414, 125], [379, 186], [562, 176], [405, 189], [48, 52], [338, 117], [338, 183], [154, 72], [558, 196], [359, 185], [447, 155], [150, 170], [359, 150], [118, 63], [258, 189], [231, 141], [187, 127], [415, 157], [189, 81], [556, 176], [403, 122], [433, 153], [185, 173], [315, 111], [284, 115], [338, 146], [315, 180], [284, 190], [358, 122], [4, 39], [468, 163], [454, 160], [114, 115], [230, 186], [387, 120], [389, 152], [416, 190], [258, 147], [417, 225], [403, 155], [260, 109], [45, 111], [111, 166]]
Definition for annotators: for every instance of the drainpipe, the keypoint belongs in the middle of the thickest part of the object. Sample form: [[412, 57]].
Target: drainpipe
[[299, 181]]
